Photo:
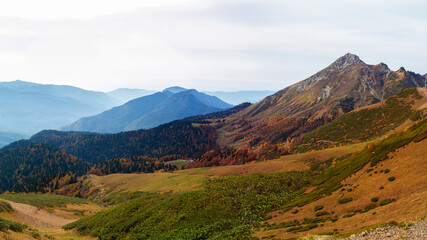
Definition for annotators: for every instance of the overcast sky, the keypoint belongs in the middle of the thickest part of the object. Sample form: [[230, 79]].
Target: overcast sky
[[203, 44]]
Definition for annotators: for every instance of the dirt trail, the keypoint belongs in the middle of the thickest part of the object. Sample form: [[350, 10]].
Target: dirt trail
[[38, 217]]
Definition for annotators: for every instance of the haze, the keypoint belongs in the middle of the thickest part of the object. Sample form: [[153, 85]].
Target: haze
[[203, 44]]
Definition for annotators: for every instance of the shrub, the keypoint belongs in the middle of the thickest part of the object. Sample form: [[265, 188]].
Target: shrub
[[370, 207], [386, 201], [322, 213], [345, 200], [5, 207], [10, 225], [349, 215], [374, 199], [387, 170], [318, 208], [391, 179], [295, 211]]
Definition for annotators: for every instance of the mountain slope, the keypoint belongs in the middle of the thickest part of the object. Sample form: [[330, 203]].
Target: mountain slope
[[28, 107], [179, 138], [150, 111], [29, 168], [6, 138], [346, 84], [118, 118]]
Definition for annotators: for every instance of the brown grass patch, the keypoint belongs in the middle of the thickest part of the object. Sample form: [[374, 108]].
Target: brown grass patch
[[408, 165]]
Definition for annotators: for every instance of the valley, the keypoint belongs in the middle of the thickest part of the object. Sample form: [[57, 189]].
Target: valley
[[332, 155]]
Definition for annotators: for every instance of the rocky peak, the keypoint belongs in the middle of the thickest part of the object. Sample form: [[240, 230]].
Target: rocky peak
[[345, 61], [401, 69], [383, 66]]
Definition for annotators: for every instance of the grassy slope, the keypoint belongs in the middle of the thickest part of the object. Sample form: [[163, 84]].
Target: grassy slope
[[367, 123], [402, 154], [116, 185], [225, 208], [43, 200], [67, 207]]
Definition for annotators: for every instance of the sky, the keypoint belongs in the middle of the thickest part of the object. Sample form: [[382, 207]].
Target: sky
[[223, 45]]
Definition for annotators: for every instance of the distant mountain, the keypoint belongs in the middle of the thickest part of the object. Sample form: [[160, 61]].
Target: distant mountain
[[6, 138], [150, 111], [93, 98], [175, 89], [27, 107], [124, 95], [240, 96]]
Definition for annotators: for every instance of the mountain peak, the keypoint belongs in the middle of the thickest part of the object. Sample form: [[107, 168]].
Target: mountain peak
[[174, 89], [348, 59]]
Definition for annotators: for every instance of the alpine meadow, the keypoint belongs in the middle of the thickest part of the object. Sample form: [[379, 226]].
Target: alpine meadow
[[189, 120]]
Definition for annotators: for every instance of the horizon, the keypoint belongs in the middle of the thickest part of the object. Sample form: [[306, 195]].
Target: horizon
[[206, 45]]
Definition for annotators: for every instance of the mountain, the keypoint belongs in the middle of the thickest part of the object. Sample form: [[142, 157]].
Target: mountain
[[29, 107], [180, 138], [26, 169], [150, 111], [175, 89], [124, 95], [6, 138], [92, 98], [240, 96], [346, 84]]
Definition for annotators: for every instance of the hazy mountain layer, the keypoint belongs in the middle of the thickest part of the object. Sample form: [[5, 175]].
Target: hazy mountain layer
[[27, 108], [150, 111]]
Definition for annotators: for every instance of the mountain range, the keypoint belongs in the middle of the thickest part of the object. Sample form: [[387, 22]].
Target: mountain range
[[150, 111], [28, 107], [340, 151]]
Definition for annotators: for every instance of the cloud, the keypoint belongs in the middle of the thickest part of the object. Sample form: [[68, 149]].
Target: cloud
[[209, 44]]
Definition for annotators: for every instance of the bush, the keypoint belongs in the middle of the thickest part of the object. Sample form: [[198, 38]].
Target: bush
[[318, 208], [369, 207], [295, 211], [5, 207], [345, 200], [322, 213], [387, 170], [10, 225], [386, 201], [374, 199], [391, 179]]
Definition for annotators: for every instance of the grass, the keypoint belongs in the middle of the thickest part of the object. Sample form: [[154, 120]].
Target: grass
[[11, 225], [226, 208], [330, 180], [43, 200], [5, 207], [376, 121]]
